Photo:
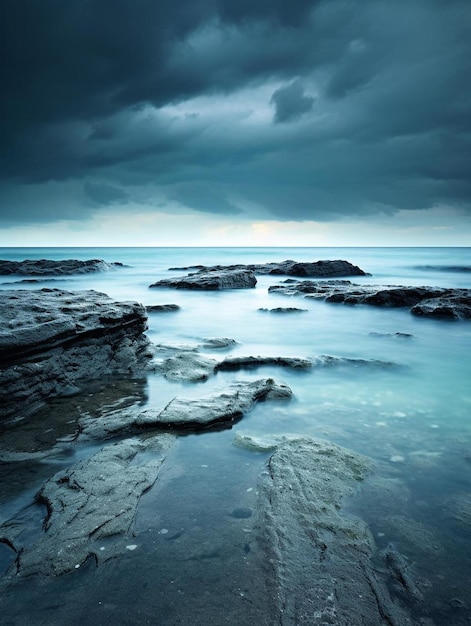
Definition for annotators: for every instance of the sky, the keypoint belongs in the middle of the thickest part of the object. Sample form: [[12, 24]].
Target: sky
[[235, 122]]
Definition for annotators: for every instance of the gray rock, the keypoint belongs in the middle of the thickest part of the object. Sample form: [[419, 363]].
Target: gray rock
[[186, 366], [426, 301], [218, 343], [94, 500], [280, 309], [218, 410], [53, 341], [452, 307], [162, 308], [320, 269], [239, 362], [45, 267], [319, 558], [212, 280]]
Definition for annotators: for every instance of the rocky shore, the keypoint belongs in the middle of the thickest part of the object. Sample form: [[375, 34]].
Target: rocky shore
[[317, 559]]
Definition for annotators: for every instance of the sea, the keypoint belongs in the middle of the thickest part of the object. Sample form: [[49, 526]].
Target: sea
[[191, 559]]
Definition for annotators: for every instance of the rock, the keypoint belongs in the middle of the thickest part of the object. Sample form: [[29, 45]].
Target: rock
[[451, 307], [319, 558], [327, 360], [94, 500], [279, 309], [218, 343], [53, 341], [44, 267], [212, 280], [425, 301], [187, 366], [289, 268], [162, 308], [219, 410], [239, 362]]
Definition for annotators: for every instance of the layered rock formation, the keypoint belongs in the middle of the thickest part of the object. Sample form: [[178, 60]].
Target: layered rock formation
[[212, 279], [425, 301], [46, 267], [52, 341]]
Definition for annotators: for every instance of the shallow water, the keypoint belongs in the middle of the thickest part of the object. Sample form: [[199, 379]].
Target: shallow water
[[412, 419]]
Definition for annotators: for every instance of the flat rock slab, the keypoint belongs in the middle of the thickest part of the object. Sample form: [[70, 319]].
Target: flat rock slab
[[92, 501], [52, 340], [240, 362], [212, 280], [218, 410], [437, 302], [318, 557], [45, 267], [321, 269]]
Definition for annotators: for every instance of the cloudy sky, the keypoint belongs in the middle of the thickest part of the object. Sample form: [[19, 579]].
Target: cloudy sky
[[235, 122]]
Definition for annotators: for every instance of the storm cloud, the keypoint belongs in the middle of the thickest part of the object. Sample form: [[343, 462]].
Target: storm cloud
[[290, 110]]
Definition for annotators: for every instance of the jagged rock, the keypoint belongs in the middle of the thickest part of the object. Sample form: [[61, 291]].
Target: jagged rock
[[452, 307], [426, 301], [162, 308], [319, 558], [45, 267], [289, 268], [217, 410], [212, 280], [52, 341], [94, 500], [238, 362]]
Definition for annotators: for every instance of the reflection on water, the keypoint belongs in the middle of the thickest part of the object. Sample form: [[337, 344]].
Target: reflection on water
[[194, 560]]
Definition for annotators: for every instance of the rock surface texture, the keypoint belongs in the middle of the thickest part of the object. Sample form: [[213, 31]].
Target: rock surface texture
[[426, 301], [51, 341], [318, 557], [212, 280], [92, 501], [45, 267]]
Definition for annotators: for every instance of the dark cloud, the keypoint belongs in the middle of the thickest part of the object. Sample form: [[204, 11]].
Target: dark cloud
[[291, 102], [205, 198], [104, 194], [371, 99]]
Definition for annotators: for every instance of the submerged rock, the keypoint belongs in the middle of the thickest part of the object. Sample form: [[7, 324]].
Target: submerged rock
[[239, 362], [218, 410], [47, 267], [280, 309], [425, 301], [319, 558], [53, 341], [211, 280], [162, 308], [94, 500]]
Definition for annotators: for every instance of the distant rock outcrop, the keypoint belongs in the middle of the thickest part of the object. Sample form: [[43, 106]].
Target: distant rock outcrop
[[320, 269], [426, 301], [52, 341], [212, 280], [45, 267]]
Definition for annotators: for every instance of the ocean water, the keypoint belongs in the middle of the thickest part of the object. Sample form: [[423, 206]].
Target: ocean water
[[413, 421]]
